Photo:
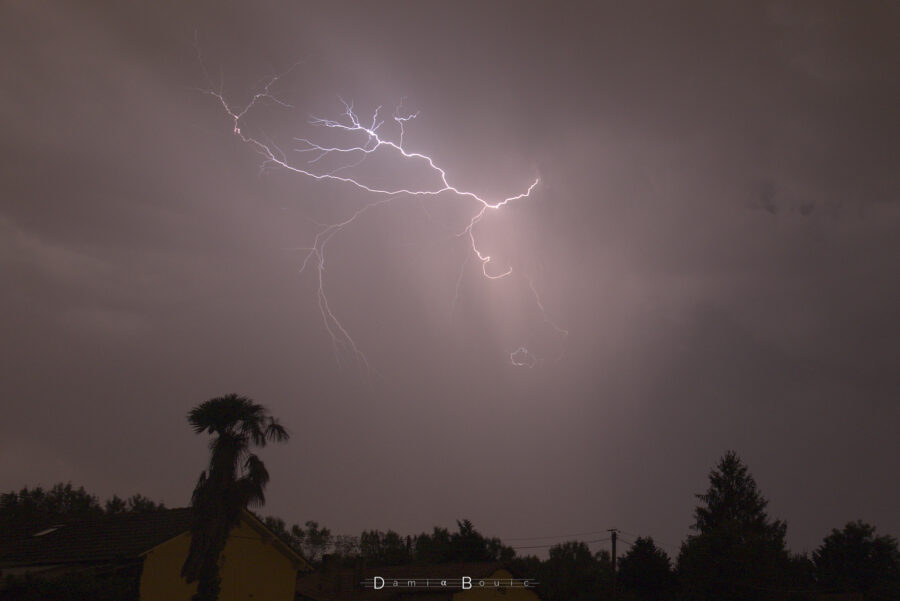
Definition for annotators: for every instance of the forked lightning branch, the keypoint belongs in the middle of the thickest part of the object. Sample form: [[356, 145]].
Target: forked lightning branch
[[317, 160]]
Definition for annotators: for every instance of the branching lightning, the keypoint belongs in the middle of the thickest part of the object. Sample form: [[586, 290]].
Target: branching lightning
[[371, 137]]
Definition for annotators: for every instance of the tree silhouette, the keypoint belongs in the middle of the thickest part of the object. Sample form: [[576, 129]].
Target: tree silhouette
[[466, 544], [234, 479], [134, 504], [383, 548], [434, 547], [645, 571], [470, 545], [32, 508], [738, 553], [573, 573], [855, 560]]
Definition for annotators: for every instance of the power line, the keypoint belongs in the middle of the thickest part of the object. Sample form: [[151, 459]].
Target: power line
[[558, 535], [587, 542], [559, 539], [630, 534], [672, 549]]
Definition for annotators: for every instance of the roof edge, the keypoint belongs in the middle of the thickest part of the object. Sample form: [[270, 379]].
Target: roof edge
[[300, 563], [254, 522]]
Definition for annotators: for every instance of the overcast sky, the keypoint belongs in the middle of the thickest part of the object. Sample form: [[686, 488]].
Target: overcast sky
[[715, 228]]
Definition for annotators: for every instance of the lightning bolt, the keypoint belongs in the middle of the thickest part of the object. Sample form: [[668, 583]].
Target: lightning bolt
[[522, 357], [370, 137]]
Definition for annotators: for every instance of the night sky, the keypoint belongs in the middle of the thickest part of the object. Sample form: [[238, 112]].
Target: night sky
[[715, 228]]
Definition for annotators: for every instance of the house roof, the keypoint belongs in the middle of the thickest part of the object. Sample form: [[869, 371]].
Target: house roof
[[103, 538], [115, 538], [299, 561], [342, 584]]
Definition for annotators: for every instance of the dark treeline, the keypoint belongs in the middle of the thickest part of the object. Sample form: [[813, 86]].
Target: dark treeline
[[735, 551], [380, 548], [28, 508]]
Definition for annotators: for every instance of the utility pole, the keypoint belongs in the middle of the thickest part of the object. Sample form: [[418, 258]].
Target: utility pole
[[613, 534]]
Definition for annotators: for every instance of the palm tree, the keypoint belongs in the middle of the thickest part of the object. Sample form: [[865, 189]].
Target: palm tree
[[234, 479]]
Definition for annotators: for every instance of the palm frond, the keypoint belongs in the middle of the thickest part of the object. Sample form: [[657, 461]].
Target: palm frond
[[256, 470], [276, 432], [252, 429]]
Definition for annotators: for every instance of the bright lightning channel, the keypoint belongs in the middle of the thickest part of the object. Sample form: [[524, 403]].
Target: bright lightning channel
[[371, 140]]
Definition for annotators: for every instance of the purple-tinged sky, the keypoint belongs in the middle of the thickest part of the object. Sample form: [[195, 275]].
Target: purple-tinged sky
[[716, 227]]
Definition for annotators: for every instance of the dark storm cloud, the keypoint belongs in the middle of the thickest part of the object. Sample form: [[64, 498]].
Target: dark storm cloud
[[715, 228]]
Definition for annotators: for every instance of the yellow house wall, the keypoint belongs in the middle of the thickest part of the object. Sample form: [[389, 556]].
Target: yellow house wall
[[489, 593], [251, 568]]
